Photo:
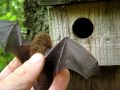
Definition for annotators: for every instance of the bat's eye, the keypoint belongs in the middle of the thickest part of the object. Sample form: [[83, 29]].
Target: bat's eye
[[82, 27]]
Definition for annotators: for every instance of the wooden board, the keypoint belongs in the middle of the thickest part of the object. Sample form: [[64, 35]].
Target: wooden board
[[104, 43], [79, 83], [109, 79], [63, 2]]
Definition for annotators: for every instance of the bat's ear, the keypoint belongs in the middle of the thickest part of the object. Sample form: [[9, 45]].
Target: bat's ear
[[82, 27]]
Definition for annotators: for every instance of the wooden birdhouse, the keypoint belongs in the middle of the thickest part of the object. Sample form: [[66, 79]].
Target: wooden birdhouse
[[95, 24]]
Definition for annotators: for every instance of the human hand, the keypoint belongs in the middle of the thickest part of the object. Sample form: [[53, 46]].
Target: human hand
[[18, 76]]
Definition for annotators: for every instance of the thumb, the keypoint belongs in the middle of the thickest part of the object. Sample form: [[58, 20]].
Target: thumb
[[25, 75]]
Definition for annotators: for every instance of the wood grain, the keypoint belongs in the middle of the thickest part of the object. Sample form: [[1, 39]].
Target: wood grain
[[109, 79], [104, 43], [63, 2], [77, 82]]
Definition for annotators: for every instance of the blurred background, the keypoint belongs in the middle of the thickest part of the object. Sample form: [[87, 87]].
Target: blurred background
[[12, 10]]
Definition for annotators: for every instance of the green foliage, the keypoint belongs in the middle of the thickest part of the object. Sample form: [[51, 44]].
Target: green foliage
[[36, 18], [11, 10], [5, 58]]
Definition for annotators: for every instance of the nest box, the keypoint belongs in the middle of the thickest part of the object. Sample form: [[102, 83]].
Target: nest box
[[95, 25], [92, 23]]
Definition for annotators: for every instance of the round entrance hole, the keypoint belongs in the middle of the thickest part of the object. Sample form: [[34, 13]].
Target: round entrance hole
[[82, 27]]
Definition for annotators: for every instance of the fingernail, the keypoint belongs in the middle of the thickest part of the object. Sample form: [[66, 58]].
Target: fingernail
[[36, 58]]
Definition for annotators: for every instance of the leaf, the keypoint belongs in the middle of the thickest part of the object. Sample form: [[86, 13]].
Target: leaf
[[8, 14]]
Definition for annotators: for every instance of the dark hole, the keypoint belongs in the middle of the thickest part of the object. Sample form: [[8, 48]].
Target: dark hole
[[82, 27]]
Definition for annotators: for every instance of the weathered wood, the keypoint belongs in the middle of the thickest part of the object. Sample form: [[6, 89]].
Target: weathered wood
[[79, 83], [108, 80], [61, 2], [104, 43]]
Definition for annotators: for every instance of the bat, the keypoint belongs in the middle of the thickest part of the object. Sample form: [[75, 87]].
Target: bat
[[67, 54]]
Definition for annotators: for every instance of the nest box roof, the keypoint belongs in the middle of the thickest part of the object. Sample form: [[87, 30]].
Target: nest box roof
[[60, 2]]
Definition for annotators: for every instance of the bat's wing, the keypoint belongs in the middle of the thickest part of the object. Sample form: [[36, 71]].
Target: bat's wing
[[11, 39], [68, 54]]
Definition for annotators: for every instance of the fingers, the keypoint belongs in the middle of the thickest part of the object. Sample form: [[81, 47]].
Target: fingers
[[32, 88], [31, 68], [22, 77], [61, 80], [15, 63], [26, 74]]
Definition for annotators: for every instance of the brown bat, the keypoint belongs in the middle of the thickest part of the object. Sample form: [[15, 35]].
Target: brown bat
[[67, 54]]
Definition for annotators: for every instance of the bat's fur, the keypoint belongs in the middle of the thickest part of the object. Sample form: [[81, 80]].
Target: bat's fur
[[40, 43]]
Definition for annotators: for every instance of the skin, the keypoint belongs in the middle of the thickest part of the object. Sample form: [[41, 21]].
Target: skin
[[18, 76]]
